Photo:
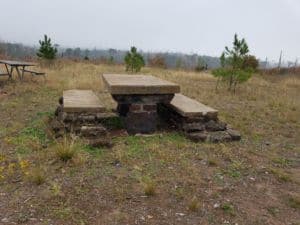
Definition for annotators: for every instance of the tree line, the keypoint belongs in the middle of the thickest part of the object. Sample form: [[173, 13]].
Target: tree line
[[156, 59]]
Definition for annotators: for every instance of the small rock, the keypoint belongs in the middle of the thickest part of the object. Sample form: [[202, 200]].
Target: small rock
[[100, 142], [116, 163], [179, 214], [235, 135], [213, 125], [252, 178], [56, 125], [191, 127], [268, 143], [93, 131], [58, 110], [197, 136], [5, 220], [219, 136], [216, 205]]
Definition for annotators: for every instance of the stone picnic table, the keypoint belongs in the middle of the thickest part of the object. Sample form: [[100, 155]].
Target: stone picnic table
[[137, 97], [15, 65]]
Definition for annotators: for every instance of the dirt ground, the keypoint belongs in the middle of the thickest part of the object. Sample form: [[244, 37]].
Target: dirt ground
[[160, 179]]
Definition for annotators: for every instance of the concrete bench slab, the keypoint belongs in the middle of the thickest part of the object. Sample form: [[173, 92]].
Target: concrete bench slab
[[188, 107], [77, 101], [124, 84]]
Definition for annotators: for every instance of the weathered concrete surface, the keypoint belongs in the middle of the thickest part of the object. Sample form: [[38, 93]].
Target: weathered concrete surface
[[81, 101], [124, 84], [188, 107]]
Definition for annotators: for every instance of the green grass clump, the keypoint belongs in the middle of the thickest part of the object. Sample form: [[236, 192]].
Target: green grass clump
[[281, 175], [228, 208], [294, 202]]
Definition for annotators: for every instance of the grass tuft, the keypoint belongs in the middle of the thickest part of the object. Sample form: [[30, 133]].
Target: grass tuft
[[66, 150], [294, 202], [228, 208], [149, 187], [194, 204], [37, 176]]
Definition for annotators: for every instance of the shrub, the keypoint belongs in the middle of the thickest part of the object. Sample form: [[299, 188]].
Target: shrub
[[134, 61], [236, 65], [250, 61], [157, 61]]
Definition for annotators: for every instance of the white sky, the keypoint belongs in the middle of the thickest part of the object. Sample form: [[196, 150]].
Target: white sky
[[189, 26]]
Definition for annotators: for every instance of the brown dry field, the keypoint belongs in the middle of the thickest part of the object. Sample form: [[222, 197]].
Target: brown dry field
[[160, 179]]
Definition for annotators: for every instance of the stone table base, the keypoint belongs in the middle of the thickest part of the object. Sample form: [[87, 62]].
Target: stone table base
[[139, 112]]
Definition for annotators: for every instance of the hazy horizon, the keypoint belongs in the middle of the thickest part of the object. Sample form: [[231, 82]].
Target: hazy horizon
[[201, 27]]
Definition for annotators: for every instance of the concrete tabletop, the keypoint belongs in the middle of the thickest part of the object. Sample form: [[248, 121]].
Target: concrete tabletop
[[124, 84]]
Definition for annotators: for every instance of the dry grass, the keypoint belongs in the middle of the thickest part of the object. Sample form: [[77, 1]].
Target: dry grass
[[247, 179], [66, 150]]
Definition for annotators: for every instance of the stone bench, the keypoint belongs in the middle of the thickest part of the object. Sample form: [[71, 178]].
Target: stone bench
[[80, 101], [198, 121], [188, 107], [81, 113]]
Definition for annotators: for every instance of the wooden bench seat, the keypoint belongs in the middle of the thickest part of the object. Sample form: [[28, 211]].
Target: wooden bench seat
[[3, 73], [188, 107], [34, 72]]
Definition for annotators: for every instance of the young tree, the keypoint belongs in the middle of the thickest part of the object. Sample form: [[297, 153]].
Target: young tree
[[134, 61], [46, 50], [235, 65]]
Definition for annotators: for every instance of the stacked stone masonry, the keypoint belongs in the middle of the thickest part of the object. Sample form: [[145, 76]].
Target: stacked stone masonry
[[198, 126], [81, 121]]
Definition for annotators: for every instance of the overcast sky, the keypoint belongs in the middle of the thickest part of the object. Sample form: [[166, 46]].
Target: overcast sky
[[189, 26]]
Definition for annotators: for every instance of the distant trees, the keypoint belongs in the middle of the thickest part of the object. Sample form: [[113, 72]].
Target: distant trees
[[133, 60], [236, 65], [157, 61], [1, 50], [201, 65], [46, 50]]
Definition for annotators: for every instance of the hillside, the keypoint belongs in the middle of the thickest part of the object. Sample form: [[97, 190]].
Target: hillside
[[158, 179]]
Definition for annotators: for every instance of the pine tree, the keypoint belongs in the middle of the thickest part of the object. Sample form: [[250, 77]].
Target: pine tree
[[235, 64], [46, 50], [133, 60]]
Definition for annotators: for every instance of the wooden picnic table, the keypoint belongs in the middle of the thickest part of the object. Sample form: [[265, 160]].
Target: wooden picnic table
[[138, 97], [15, 65]]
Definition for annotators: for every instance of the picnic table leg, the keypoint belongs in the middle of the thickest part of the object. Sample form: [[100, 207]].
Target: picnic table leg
[[23, 68], [11, 71], [8, 72], [19, 74]]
